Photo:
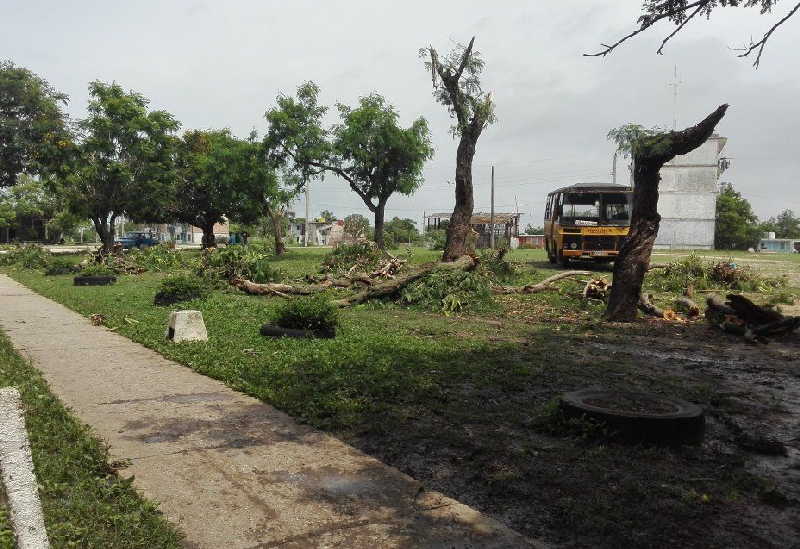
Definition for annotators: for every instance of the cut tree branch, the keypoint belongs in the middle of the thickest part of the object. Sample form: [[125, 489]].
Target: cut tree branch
[[544, 285]]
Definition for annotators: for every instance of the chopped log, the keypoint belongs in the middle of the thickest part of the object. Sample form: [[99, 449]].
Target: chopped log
[[596, 288], [391, 287], [752, 313], [542, 286], [686, 305], [648, 308]]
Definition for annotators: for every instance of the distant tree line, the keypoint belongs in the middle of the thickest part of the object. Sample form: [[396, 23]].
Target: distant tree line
[[126, 160], [738, 228]]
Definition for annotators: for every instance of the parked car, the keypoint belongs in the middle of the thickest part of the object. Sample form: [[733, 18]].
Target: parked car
[[137, 240]]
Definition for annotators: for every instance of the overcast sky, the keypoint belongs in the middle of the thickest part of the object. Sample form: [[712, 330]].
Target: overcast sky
[[221, 64]]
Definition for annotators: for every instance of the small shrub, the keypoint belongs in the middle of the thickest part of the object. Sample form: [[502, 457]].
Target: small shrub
[[181, 287], [59, 266], [342, 258], [436, 239], [307, 313], [27, 257], [702, 275], [97, 269]]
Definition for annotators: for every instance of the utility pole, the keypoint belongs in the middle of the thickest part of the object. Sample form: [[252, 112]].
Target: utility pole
[[491, 218], [308, 200], [675, 84], [614, 170]]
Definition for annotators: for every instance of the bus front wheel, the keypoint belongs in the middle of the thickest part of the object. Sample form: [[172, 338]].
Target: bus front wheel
[[563, 260]]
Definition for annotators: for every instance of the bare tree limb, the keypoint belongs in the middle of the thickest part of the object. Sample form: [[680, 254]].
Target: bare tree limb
[[678, 29], [646, 25], [542, 286], [763, 42]]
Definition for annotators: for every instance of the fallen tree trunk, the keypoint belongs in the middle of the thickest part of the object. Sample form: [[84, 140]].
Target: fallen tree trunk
[[391, 287], [648, 308], [542, 286], [273, 288]]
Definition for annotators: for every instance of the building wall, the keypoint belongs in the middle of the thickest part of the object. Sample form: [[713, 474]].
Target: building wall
[[688, 198]]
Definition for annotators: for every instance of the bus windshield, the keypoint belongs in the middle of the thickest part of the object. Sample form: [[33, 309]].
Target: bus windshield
[[591, 209]]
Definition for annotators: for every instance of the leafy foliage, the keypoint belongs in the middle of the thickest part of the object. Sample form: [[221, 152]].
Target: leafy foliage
[[628, 136], [784, 225], [124, 163], [97, 269], [365, 255], [307, 313], [221, 176], [736, 225], [356, 226], [250, 262], [59, 266], [180, 287], [449, 291], [27, 257], [34, 133], [158, 258], [693, 271]]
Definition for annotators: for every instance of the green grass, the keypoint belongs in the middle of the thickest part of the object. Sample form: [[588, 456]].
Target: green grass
[[457, 402], [85, 503]]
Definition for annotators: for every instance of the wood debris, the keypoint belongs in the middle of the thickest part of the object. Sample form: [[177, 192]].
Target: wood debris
[[740, 316]]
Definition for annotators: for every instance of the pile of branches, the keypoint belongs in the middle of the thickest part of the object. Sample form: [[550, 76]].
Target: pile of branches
[[116, 261], [740, 316], [384, 281]]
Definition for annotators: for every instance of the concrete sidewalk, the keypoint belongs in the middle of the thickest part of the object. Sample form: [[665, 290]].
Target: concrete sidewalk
[[229, 470]]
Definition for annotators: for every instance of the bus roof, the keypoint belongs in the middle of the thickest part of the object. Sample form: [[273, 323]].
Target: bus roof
[[592, 188]]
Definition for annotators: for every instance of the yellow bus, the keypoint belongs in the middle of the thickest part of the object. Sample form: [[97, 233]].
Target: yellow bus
[[586, 221]]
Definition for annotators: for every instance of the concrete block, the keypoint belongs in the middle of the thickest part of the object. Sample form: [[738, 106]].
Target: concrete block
[[19, 478], [186, 326]]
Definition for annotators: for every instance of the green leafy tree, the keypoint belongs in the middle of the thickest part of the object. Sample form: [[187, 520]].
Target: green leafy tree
[[356, 226], [327, 216], [377, 157], [682, 12], [736, 226], [530, 229], [34, 208], [368, 149], [34, 135], [401, 230], [457, 86], [784, 225], [220, 176], [123, 165]]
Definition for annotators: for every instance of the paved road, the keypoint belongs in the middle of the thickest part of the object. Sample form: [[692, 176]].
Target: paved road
[[229, 470]]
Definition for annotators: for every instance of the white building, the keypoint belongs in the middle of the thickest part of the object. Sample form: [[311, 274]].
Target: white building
[[688, 197]]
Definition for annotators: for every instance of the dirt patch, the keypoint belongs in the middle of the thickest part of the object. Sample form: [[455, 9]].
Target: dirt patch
[[494, 444]]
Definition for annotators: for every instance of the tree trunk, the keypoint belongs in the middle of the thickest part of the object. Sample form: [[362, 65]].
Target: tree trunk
[[650, 154], [380, 211], [105, 231], [277, 228], [209, 240], [458, 230]]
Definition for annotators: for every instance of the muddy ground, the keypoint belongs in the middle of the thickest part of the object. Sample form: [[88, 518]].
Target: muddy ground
[[502, 447]]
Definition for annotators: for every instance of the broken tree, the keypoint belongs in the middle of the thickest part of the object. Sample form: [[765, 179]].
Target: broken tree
[[650, 153], [457, 85]]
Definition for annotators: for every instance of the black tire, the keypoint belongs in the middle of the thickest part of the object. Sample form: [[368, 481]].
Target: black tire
[[276, 331], [550, 256], [678, 421], [94, 280]]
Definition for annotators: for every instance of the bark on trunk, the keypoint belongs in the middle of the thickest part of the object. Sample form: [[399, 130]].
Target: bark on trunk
[[105, 231], [380, 210], [277, 228], [209, 240], [649, 155], [458, 230]]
